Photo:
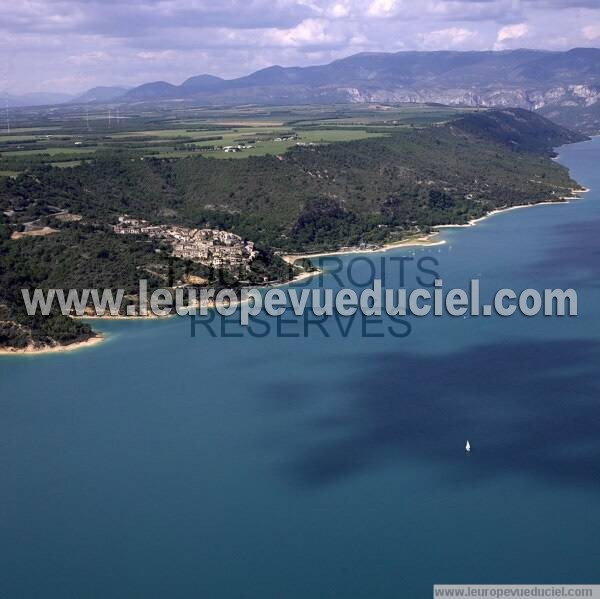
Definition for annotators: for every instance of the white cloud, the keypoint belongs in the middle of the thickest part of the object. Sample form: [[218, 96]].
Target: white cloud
[[339, 11], [310, 32], [510, 32], [591, 32], [75, 42], [381, 8], [453, 37]]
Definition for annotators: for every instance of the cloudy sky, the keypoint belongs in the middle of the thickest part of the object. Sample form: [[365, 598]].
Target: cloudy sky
[[71, 45]]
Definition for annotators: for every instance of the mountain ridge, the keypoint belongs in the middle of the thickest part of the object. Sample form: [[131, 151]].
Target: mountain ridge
[[540, 80], [562, 85]]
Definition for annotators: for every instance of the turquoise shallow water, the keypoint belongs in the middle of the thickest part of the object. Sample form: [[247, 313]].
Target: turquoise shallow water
[[160, 465]]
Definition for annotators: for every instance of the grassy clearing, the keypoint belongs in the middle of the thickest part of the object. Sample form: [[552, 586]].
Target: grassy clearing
[[66, 163], [279, 147], [268, 146]]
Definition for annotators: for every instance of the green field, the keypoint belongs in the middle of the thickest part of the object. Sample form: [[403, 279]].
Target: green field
[[60, 138]]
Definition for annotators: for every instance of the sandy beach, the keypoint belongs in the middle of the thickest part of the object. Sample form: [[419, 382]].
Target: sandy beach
[[424, 240], [32, 350], [196, 306], [429, 240], [107, 316], [560, 202], [309, 274]]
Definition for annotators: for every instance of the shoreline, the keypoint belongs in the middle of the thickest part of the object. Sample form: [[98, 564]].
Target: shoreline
[[32, 350], [427, 240], [561, 202], [421, 241], [308, 274], [197, 306], [119, 317]]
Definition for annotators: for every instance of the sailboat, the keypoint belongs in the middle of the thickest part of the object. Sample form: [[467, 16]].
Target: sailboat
[[468, 447]]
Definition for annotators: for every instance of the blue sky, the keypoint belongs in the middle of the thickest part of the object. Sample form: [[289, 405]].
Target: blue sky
[[71, 45]]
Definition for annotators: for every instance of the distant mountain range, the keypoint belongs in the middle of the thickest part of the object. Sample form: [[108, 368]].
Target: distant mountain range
[[99, 94], [564, 86]]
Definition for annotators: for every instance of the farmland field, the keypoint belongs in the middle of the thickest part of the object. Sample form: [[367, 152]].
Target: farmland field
[[67, 135]]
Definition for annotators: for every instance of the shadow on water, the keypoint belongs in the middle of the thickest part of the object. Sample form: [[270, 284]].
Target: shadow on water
[[526, 406], [576, 255]]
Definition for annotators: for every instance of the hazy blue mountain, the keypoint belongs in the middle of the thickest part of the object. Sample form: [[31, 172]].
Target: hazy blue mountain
[[201, 83], [100, 94], [564, 84], [157, 90]]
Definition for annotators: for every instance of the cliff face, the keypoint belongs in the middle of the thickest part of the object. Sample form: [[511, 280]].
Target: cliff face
[[571, 95], [574, 106]]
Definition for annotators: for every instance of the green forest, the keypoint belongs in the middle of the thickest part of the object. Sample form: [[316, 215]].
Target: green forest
[[309, 198]]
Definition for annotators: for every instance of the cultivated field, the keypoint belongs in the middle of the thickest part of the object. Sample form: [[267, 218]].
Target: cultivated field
[[65, 136]]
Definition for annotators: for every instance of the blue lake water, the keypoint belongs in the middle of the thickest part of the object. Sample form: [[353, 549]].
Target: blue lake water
[[160, 465]]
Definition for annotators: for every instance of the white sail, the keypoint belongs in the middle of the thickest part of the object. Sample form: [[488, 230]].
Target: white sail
[[468, 446]]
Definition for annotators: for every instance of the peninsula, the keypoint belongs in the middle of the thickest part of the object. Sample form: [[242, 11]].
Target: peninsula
[[197, 221]]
